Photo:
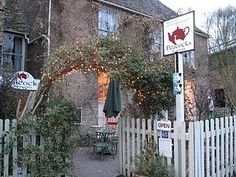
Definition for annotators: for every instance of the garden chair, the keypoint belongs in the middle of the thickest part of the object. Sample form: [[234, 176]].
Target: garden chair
[[102, 146]]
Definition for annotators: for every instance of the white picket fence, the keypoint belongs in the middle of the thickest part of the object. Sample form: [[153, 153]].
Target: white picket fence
[[9, 149], [205, 149]]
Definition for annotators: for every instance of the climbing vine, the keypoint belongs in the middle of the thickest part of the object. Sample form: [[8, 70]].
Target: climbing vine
[[151, 82]]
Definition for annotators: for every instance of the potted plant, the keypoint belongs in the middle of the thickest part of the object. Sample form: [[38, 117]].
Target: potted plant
[[148, 164]]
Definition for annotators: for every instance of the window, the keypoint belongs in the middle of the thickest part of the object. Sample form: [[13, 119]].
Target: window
[[156, 45], [107, 22], [78, 119], [188, 58], [13, 52], [219, 97]]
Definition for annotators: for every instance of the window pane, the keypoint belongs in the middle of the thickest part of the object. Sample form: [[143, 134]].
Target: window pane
[[107, 22], [8, 43], [12, 52], [18, 45]]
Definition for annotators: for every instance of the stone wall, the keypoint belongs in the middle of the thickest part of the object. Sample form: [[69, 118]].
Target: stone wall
[[2, 2], [74, 21]]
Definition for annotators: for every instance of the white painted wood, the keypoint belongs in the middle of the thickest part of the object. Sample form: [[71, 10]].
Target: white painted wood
[[191, 149], [143, 132], [222, 150], [207, 148], [155, 134], [149, 129], [124, 147], [120, 133], [231, 145], [138, 138], [227, 145], [6, 141], [176, 149], [202, 153], [218, 174], [234, 143], [183, 149], [212, 130], [196, 148], [128, 147], [133, 143], [14, 150]]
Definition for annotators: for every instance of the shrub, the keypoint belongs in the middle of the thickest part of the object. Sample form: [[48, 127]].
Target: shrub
[[148, 164], [55, 127]]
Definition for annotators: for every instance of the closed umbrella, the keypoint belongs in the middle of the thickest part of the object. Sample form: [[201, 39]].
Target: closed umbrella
[[112, 105]]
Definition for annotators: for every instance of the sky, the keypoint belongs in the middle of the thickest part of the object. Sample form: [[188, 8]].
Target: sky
[[202, 8]]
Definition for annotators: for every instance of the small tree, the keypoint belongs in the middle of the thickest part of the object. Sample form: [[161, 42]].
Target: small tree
[[222, 45]]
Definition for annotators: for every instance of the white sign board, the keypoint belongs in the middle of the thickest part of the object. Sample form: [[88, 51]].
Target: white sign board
[[24, 81], [165, 147], [179, 34], [164, 125]]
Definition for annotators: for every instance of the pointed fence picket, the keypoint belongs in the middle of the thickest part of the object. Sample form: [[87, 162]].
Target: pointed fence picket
[[206, 149], [9, 149]]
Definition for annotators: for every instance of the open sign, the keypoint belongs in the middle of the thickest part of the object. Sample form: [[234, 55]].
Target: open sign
[[164, 125]]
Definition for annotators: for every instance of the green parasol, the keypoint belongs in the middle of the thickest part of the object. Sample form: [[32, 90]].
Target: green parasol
[[112, 105]]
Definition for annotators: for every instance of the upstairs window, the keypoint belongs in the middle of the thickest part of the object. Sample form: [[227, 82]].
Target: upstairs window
[[220, 97], [107, 22], [13, 52], [188, 58], [156, 45]]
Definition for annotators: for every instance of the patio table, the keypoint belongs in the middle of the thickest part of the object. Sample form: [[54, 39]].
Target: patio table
[[103, 144]]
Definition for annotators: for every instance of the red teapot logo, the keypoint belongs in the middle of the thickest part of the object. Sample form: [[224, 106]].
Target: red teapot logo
[[178, 34], [22, 76]]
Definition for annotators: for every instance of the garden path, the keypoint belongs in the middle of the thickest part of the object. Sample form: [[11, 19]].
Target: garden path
[[86, 167]]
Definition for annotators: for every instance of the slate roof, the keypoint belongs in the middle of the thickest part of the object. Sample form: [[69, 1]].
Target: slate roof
[[151, 8], [13, 20]]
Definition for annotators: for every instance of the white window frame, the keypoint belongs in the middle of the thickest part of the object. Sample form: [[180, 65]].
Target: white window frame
[[22, 64], [189, 59], [107, 22], [157, 43], [81, 121]]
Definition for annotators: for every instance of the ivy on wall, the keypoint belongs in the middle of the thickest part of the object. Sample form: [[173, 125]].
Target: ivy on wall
[[151, 82]]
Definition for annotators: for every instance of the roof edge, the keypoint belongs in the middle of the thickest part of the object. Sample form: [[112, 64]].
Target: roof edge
[[124, 8]]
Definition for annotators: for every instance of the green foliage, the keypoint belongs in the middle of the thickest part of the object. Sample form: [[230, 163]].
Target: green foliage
[[8, 101], [151, 82], [54, 127], [150, 165]]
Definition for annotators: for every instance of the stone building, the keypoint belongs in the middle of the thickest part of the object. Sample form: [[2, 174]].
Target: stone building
[[53, 23], [13, 38]]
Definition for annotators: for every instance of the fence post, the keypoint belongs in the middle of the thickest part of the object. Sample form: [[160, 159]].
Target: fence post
[[191, 149], [120, 133], [6, 143], [177, 149]]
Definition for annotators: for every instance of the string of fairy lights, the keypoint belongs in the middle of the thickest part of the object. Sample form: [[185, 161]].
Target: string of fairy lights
[[104, 55]]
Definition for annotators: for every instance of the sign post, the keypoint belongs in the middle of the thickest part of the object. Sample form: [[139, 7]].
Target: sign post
[[178, 38]]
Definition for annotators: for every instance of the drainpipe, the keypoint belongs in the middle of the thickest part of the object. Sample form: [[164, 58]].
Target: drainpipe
[[43, 35], [49, 26]]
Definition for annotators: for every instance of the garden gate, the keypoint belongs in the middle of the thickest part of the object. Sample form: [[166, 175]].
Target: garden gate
[[204, 149]]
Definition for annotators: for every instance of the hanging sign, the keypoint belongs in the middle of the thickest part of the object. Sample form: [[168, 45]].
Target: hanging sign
[[164, 125], [165, 147], [179, 34], [24, 81]]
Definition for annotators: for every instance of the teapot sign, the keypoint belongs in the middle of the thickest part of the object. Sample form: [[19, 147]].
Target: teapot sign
[[179, 34], [24, 81]]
